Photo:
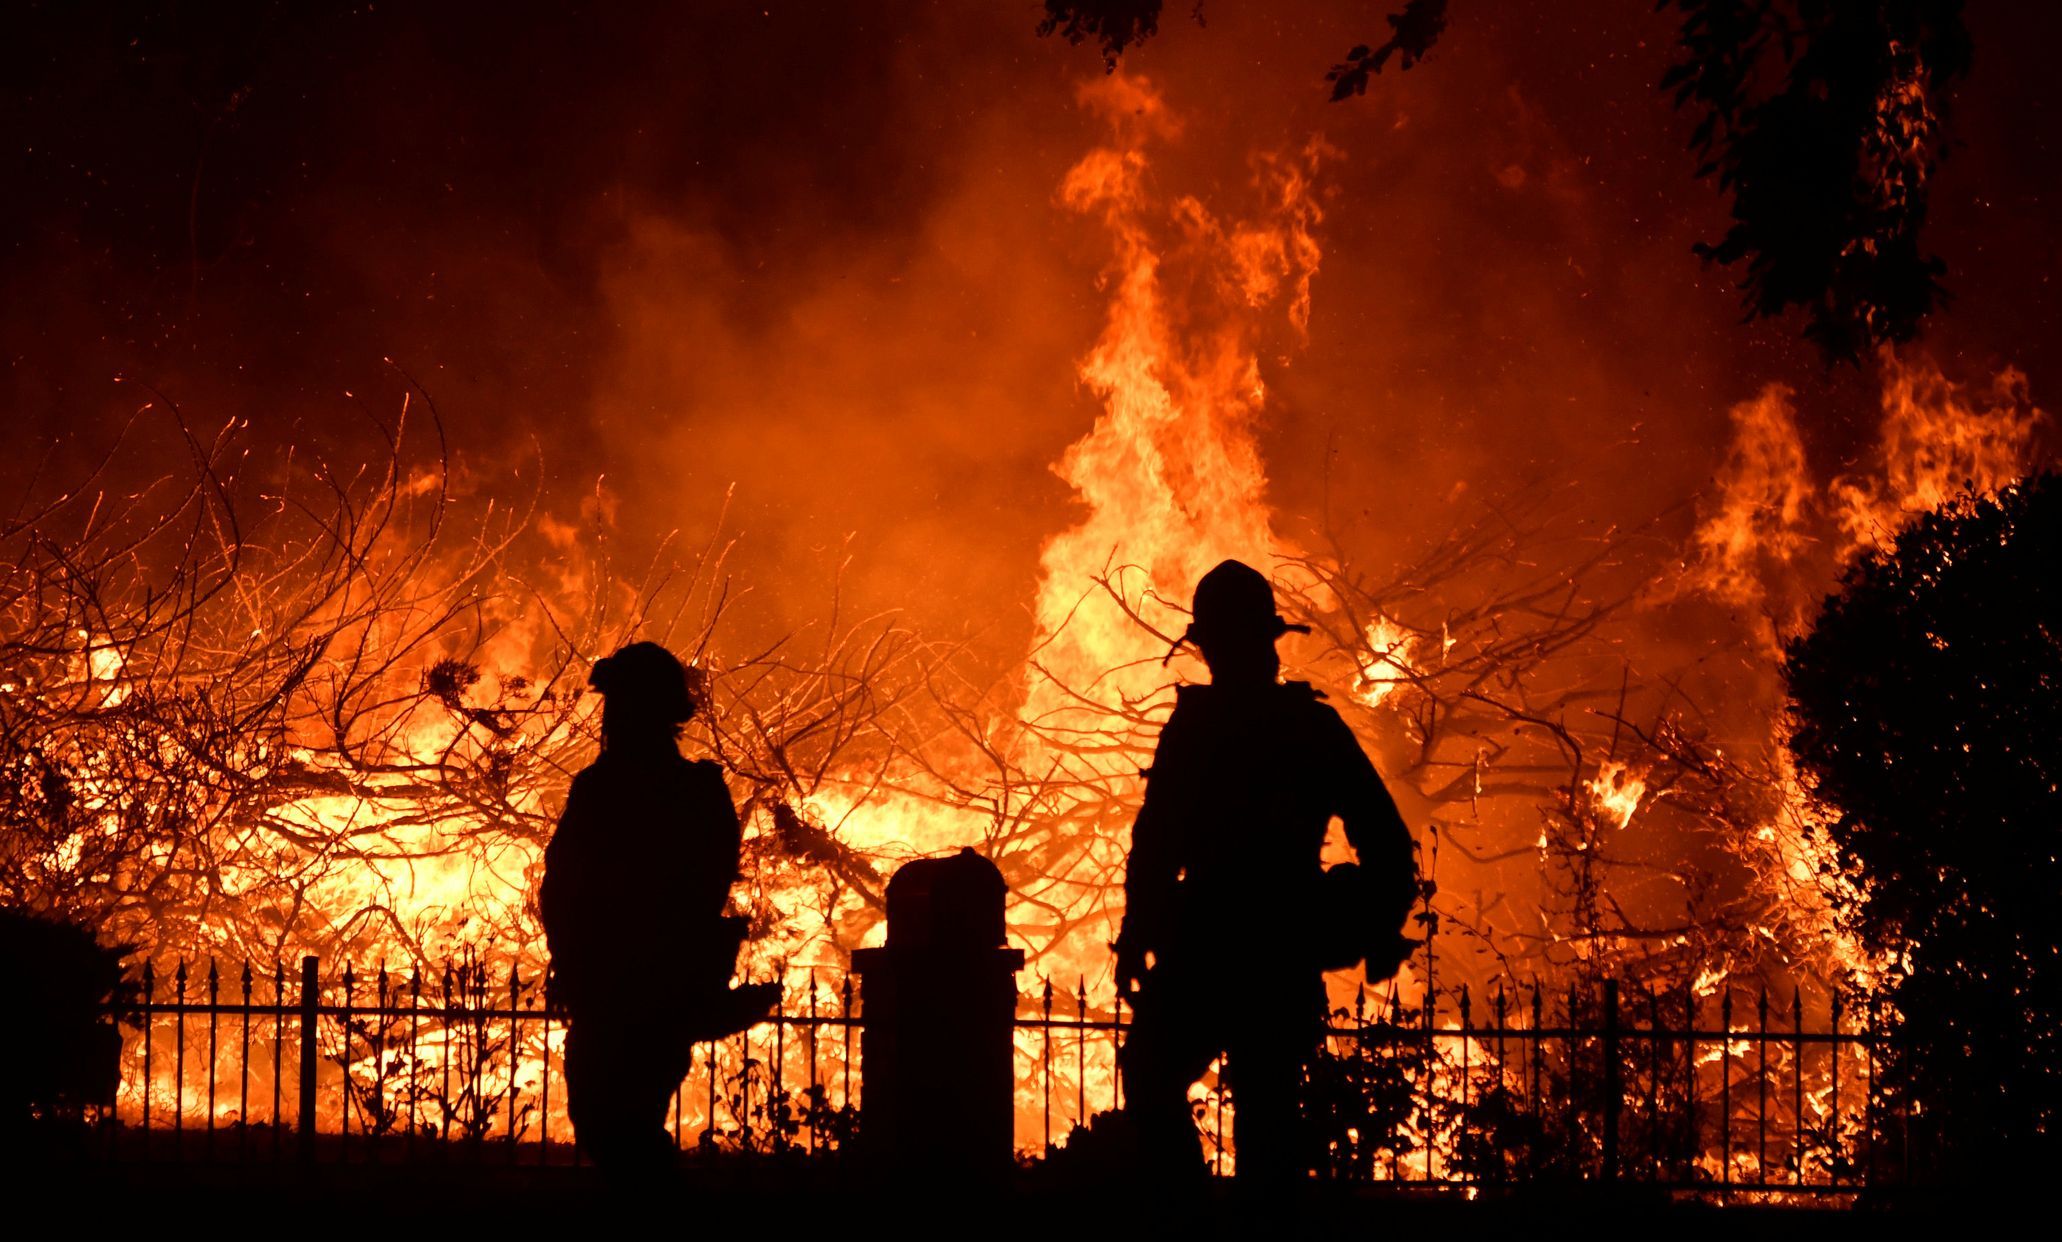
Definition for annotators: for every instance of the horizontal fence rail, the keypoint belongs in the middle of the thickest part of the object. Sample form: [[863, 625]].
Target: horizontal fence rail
[[1661, 1087]]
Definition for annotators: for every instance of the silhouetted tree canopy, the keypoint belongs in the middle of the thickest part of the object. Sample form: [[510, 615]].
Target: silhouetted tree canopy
[[1928, 702], [1823, 120]]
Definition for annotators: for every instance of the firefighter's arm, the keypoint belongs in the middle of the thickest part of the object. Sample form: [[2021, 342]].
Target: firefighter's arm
[[1383, 843], [1154, 867], [716, 839], [564, 896]]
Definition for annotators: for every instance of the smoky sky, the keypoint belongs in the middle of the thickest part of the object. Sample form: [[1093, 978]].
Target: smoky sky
[[813, 251], [296, 187]]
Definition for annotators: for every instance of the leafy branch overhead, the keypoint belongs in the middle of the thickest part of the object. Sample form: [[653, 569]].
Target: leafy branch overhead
[[1414, 31], [1824, 122], [1115, 25]]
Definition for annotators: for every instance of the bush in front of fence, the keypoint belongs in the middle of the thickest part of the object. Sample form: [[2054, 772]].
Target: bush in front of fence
[[60, 1052]]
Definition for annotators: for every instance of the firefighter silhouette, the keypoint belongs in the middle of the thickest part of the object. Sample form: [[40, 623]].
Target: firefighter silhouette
[[636, 880], [1230, 920]]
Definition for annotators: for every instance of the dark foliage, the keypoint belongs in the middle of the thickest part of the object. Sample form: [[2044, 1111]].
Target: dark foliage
[[1413, 32], [1823, 119], [1929, 708], [1117, 24], [1113, 24], [1505, 1110], [58, 1050]]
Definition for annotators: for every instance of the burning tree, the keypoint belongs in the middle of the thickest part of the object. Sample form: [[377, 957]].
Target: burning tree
[[270, 706], [273, 702]]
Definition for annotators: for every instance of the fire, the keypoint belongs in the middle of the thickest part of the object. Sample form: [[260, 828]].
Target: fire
[[1938, 440], [1758, 524], [1813, 888], [1391, 655], [1617, 791], [400, 811], [1772, 542], [1170, 475], [1773, 538]]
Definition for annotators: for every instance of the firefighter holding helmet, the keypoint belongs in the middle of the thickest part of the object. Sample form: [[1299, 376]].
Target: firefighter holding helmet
[[1230, 918]]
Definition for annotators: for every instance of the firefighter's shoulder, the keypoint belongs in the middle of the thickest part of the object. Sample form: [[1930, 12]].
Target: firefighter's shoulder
[[1306, 697], [1190, 711], [702, 776], [1310, 703]]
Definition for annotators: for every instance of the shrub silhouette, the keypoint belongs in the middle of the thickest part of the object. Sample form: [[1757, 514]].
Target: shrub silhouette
[[59, 1052], [1928, 705]]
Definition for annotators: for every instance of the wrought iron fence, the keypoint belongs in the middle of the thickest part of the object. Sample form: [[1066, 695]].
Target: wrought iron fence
[[378, 1066], [1611, 1082]]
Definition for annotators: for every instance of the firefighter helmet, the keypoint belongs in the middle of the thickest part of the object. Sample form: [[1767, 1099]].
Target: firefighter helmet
[[1235, 603], [649, 680]]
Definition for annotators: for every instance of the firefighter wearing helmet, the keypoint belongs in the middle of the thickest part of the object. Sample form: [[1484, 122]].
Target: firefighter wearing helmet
[[1230, 919], [636, 882]]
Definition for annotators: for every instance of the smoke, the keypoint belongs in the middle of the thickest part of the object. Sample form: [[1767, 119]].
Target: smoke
[[818, 255], [807, 277]]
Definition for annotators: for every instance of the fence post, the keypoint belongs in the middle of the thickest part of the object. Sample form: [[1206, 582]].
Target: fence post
[[310, 994], [1612, 1087], [939, 1046]]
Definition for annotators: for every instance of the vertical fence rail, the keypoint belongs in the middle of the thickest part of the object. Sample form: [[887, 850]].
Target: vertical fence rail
[[304, 1116], [1614, 1090]]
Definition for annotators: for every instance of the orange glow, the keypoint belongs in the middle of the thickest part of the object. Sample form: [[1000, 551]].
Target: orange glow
[[1203, 280]]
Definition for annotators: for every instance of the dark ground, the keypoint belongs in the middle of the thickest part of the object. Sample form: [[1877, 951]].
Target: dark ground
[[531, 1202], [231, 1180]]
